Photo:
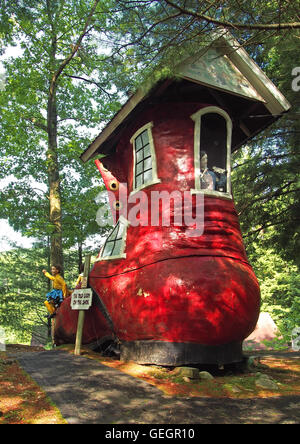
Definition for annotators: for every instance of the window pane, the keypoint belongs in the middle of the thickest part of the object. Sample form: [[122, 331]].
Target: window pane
[[147, 152], [145, 137], [147, 163], [139, 156], [108, 248], [114, 233], [139, 168], [139, 181], [114, 241], [117, 248], [138, 143], [121, 230], [148, 176]]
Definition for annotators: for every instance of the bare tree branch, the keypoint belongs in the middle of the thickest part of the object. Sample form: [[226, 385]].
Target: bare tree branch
[[76, 46], [268, 225], [232, 25], [270, 196], [92, 82], [37, 123]]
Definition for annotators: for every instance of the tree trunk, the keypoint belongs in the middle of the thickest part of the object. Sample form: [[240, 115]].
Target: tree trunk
[[79, 256], [55, 215], [48, 262], [56, 251]]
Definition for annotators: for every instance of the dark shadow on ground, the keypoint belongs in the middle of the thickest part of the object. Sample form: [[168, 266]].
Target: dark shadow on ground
[[87, 392]]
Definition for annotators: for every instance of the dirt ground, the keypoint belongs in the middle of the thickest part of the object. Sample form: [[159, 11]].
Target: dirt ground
[[22, 401], [154, 395]]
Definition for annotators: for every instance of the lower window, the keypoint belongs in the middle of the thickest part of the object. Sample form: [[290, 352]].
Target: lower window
[[114, 246]]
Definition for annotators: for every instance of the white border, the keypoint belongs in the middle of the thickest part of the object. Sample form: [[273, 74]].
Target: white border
[[197, 132], [155, 178]]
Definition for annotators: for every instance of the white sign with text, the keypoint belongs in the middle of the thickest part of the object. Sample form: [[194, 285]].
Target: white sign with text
[[82, 299]]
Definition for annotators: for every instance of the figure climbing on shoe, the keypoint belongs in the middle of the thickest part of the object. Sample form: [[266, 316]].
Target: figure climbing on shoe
[[59, 290]]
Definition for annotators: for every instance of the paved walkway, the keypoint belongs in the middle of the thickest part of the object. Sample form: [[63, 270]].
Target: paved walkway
[[87, 392]]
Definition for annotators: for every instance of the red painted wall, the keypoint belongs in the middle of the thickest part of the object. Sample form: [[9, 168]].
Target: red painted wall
[[172, 287]]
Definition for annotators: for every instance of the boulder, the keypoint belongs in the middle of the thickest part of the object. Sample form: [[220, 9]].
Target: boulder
[[205, 375], [265, 382], [265, 330], [232, 388], [188, 372]]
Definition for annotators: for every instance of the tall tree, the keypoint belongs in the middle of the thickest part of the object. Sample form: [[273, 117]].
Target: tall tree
[[138, 35], [54, 91]]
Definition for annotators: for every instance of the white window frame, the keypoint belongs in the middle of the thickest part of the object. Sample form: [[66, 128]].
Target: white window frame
[[197, 133], [122, 254], [155, 178]]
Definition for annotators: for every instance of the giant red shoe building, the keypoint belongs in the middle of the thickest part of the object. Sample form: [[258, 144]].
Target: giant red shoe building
[[166, 293]]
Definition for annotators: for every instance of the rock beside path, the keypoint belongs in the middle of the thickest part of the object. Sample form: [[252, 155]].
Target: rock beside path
[[265, 382]]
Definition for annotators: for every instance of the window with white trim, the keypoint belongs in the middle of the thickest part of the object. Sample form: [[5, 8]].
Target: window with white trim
[[114, 246], [144, 170], [212, 152]]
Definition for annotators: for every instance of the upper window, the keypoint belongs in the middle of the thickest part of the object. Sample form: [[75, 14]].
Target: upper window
[[144, 171], [212, 149], [115, 243]]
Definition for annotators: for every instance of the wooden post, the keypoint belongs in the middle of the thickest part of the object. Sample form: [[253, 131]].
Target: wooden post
[[80, 321]]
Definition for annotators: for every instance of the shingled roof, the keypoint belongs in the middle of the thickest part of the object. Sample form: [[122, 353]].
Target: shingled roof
[[222, 72]]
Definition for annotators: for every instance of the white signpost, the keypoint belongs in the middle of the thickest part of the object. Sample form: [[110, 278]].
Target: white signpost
[[82, 299]]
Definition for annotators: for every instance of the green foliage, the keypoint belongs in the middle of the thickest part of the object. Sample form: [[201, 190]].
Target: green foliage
[[279, 281], [265, 187], [23, 288], [129, 43], [22, 291], [46, 33]]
